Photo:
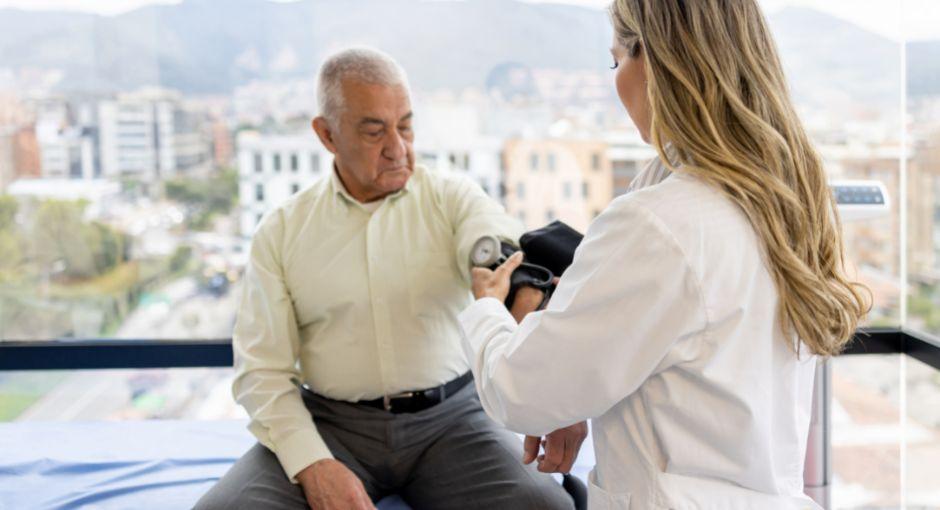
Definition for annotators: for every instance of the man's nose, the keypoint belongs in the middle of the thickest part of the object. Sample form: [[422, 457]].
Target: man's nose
[[394, 148]]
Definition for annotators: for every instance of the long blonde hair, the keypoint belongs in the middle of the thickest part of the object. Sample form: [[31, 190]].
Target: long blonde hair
[[719, 99]]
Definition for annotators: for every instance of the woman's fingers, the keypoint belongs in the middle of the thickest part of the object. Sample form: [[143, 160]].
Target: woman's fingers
[[530, 449], [506, 268]]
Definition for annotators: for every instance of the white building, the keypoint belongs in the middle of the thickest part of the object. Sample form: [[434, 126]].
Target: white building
[[480, 158], [61, 154], [628, 154], [449, 137], [67, 141], [150, 134], [271, 168]]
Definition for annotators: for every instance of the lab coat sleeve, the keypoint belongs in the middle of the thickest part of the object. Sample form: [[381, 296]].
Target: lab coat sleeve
[[266, 346], [627, 298], [473, 215]]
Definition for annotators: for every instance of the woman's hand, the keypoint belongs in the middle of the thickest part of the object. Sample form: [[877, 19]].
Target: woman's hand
[[495, 284], [561, 448]]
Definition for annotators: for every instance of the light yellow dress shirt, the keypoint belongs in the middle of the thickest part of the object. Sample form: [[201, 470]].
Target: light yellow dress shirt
[[356, 303]]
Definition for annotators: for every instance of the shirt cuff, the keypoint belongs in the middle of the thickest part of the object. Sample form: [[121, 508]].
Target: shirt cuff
[[299, 450], [476, 313]]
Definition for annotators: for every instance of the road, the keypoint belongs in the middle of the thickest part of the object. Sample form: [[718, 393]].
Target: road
[[176, 311]]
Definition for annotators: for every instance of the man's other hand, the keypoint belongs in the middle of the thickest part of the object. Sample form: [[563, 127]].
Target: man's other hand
[[561, 448], [329, 485], [527, 300]]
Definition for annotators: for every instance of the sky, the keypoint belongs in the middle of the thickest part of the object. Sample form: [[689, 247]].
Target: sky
[[913, 19]]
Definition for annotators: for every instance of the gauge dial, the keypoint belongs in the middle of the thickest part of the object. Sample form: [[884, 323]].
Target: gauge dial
[[485, 252]]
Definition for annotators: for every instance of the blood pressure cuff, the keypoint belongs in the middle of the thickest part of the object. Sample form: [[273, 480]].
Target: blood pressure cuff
[[551, 246], [548, 253]]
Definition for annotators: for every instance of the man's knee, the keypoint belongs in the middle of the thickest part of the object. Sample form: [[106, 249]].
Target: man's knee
[[254, 481], [252, 497], [216, 499], [544, 494]]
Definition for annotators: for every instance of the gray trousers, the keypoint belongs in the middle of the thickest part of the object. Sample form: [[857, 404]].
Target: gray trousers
[[451, 456]]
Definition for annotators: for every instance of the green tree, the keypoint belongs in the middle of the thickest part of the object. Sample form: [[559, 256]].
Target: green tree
[[107, 246], [11, 253], [64, 244], [204, 198], [8, 208], [180, 258], [56, 227]]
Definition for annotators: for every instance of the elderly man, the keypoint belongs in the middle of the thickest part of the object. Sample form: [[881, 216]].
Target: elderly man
[[353, 291]]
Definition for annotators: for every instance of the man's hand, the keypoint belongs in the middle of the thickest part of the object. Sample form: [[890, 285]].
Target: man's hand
[[527, 300], [561, 448], [495, 284], [329, 485]]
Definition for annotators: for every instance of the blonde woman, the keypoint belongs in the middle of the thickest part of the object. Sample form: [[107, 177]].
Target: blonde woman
[[689, 325]]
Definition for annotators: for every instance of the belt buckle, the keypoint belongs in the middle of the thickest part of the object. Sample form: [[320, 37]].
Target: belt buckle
[[387, 399]]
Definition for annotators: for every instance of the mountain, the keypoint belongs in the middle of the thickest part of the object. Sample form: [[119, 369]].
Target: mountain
[[923, 68], [212, 46], [829, 59]]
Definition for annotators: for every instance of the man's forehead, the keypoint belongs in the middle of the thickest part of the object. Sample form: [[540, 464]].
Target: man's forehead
[[376, 100]]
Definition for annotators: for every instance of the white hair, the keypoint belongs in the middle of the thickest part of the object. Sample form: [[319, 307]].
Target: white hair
[[365, 65]]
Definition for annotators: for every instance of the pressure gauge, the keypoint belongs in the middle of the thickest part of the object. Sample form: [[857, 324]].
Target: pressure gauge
[[486, 251]]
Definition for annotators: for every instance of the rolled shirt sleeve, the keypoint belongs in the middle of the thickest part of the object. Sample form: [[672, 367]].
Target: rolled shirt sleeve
[[266, 346], [474, 215], [627, 298]]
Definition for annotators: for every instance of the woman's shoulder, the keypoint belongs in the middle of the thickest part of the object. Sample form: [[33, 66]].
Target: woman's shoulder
[[685, 208], [679, 197]]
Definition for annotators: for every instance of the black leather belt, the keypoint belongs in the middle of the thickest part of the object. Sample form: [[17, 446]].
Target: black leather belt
[[415, 401]]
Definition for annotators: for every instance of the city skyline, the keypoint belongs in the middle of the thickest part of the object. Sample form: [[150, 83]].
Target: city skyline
[[127, 209]]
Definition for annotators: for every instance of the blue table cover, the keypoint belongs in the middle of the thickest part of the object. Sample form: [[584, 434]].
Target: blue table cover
[[129, 464]]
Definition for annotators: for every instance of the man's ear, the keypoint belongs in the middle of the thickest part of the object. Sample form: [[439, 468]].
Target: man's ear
[[323, 130]]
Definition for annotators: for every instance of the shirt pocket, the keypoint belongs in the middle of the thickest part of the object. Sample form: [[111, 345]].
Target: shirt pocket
[[600, 499]]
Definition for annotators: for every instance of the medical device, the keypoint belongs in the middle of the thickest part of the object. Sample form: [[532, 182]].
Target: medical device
[[548, 252], [860, 200], [491, 252]]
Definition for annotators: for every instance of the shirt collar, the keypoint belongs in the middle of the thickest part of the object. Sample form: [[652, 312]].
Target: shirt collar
[[339, 190]]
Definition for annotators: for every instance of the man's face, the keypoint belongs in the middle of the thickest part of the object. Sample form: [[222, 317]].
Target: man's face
[[373, 142]]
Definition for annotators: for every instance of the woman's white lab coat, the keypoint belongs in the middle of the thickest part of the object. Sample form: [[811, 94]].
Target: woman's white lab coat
[[665, 333]]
